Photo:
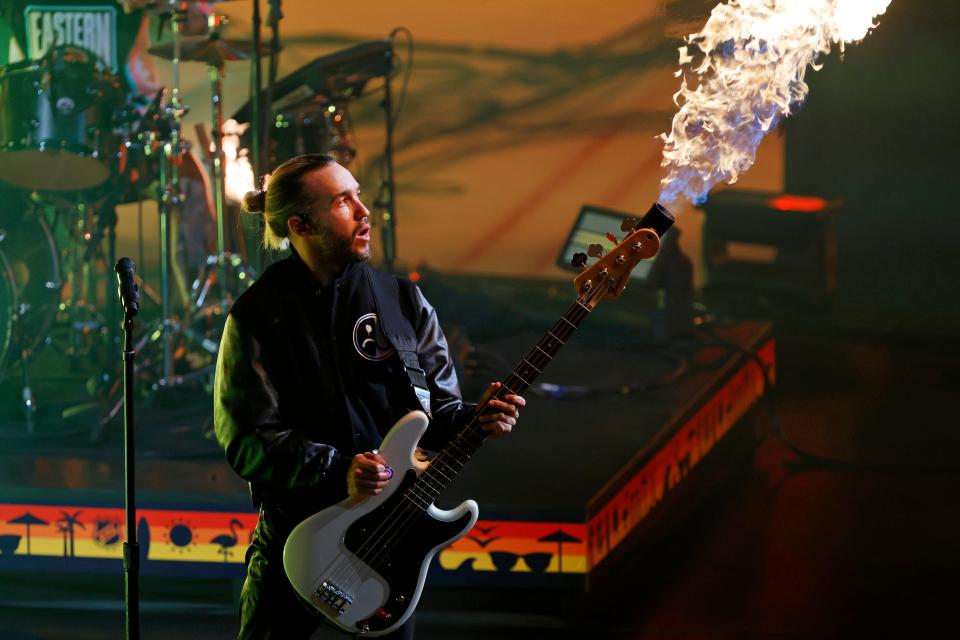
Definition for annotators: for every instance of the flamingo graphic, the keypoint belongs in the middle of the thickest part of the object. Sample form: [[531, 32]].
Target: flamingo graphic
[[228, 540]]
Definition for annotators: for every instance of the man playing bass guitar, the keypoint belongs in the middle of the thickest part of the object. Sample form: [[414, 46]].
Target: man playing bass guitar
[[309, 381]]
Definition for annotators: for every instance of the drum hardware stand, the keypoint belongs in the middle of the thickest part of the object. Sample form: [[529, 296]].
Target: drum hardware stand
[[29, 405], [216, 72], [256, 118], [140, 251], [168, 134], [256, 94], [388, 194], [165, 331], [222, 259], [78, 256], [169, 198], [106, 229], [29, 332], [26, 394], [274, 16], [80, 313]]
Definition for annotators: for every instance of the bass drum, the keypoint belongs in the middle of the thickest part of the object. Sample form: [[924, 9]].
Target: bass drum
[[56, 126], [29, 284]]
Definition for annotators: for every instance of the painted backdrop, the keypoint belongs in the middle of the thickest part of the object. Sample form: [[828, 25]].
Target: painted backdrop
[[516, 114]]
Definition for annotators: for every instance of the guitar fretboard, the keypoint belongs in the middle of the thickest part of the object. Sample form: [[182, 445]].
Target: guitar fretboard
[[451, 460]]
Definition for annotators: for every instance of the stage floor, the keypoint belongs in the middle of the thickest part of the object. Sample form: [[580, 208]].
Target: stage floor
[[609, 431], [777, 551]]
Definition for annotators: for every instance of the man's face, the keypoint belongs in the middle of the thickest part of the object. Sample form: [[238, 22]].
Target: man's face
[[340, 221]]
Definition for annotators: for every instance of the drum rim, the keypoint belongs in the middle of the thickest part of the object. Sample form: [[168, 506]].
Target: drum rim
[[20, 66], [90, 159], [52, 283], [43, 146]]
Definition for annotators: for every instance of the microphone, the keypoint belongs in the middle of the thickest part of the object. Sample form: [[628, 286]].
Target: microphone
[[127, 288]]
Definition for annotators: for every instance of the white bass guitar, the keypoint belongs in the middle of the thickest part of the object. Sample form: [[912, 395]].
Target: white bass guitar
[[362, 562]]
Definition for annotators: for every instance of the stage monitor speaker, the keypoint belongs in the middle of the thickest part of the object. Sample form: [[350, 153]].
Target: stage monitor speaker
[[770, 246]]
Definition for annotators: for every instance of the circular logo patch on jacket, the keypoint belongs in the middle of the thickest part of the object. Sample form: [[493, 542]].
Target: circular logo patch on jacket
[[369, 340]]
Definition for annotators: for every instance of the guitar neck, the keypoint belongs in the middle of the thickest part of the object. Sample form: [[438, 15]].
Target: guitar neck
[[451, 460]]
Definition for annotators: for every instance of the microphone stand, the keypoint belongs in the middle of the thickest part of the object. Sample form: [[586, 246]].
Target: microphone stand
[[130, 300]]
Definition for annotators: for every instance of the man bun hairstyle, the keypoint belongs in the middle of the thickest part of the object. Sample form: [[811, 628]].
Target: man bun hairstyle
[[283, 196], [255, 201]]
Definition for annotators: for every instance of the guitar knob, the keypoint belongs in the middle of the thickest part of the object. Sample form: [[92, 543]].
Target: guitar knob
[[579, 260], [595, 251], [628, 224]]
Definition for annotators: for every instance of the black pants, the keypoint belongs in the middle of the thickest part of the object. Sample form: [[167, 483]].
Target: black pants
[[270, 608]]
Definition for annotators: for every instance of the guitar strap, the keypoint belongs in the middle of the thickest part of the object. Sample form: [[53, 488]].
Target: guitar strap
[[398, 328]]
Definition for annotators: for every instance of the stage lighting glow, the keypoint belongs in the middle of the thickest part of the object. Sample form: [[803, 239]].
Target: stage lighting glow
[[237, 170]]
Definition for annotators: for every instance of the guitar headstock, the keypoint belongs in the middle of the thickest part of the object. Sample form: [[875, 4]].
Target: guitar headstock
[[611, 272]]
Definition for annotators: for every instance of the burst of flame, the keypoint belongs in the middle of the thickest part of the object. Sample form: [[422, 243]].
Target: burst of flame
[[237, 171], [749, 63]]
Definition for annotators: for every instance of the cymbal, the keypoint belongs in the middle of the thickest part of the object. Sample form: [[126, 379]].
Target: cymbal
[[213, 51], [131, 5]]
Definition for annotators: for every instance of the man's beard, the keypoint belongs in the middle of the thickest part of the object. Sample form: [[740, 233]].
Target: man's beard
[[339, 249]]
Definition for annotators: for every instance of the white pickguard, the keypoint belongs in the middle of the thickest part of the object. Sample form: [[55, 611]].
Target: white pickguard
[[315, 553]]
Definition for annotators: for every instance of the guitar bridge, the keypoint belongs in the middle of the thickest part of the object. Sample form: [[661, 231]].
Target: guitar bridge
[[332, 596]]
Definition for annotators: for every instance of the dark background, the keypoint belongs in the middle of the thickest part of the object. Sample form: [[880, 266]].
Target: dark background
[[880, 130]]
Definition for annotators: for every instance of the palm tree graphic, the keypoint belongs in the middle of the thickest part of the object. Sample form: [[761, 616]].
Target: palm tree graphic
[[228, 540], [66, 525]]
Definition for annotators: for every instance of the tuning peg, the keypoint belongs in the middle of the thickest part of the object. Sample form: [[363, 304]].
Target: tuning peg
[[612, 238], [579, 260], [595, 251], [629, 224]]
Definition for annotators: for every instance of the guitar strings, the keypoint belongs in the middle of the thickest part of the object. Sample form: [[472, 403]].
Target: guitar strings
[[402, 527], [538, 362], [404, 524], [343, 569], [440, 463], [405, 505]]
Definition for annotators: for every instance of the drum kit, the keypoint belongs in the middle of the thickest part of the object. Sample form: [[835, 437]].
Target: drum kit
[[73, 146]]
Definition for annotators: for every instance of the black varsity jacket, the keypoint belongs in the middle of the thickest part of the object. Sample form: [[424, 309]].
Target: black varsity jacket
[[306, 379]]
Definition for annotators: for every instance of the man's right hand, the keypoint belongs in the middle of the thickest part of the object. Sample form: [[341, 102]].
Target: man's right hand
[[368, 474]]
